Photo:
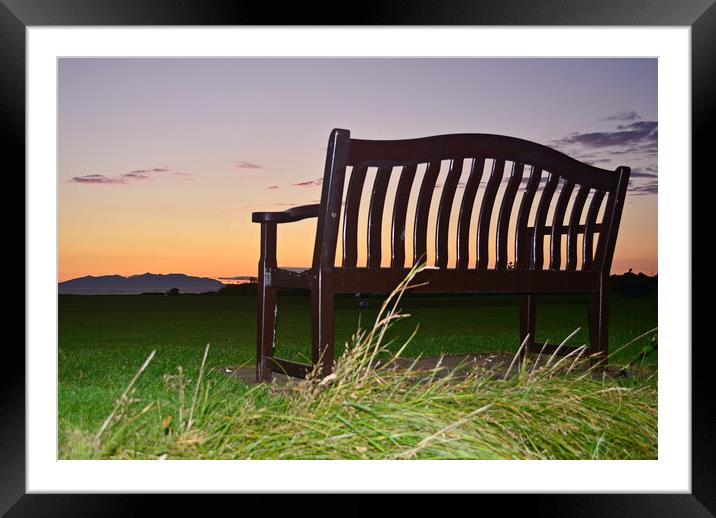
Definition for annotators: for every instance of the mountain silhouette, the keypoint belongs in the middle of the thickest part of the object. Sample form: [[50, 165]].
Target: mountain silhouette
[[135, 284]]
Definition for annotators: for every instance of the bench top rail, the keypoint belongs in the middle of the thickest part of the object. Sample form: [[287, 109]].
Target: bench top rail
[[377, 153]]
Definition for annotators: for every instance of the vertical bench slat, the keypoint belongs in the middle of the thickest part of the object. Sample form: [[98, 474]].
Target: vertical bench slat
[[444, 210], [375, 216], [540, 219], [463, 224], [588, 240], [400, 212], [350, 216], [420, 234], [555, 253], [599, 254], [577, 209], [488, 202], [503, 223], [522, 238]]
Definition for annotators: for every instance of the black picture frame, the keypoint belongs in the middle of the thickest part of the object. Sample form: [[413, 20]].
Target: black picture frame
[[700, 15]]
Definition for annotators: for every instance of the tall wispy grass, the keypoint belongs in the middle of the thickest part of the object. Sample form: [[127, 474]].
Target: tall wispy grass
[[371, 408]]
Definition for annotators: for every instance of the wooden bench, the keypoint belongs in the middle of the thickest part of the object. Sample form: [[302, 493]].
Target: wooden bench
[[576, 201]]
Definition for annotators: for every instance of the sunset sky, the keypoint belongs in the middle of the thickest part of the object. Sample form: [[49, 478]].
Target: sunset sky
[[162, 161]]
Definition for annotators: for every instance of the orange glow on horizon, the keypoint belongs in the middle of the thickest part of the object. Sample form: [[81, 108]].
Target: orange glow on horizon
[[229, 246]]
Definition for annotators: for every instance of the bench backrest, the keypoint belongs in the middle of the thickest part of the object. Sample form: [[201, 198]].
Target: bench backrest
[[523, 205]]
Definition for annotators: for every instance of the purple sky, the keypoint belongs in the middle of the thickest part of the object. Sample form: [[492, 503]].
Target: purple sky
[[161, 161]]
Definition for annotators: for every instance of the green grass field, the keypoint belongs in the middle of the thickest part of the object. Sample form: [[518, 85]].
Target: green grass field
[[104, 339]]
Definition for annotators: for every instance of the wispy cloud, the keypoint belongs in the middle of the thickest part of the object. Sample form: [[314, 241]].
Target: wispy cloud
[[272, 187], [640, 133], [646, 172], [124, 178], [310, 183], [134, 176], [152, 170], [626, 115], [97, 179], [650, 187], [248, 165]]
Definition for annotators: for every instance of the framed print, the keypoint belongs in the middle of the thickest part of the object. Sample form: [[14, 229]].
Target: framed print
[[154, 137]]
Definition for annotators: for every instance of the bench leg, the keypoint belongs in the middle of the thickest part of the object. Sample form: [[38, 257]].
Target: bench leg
[[598, 320], [266, 332], [266, 304], [528, 322], [322, 300]]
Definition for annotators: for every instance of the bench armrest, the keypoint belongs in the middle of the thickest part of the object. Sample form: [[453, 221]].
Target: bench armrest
[[286, 216]]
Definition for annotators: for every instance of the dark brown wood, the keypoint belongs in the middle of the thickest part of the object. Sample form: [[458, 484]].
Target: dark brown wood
[[488, 202], [377, 153], [422, 212], [555, 252], [466, 207], [539, 228], [528, 322], [503, 222], [444, 210], [324, 280], [452, 280], [522, 237], [599, 304], [289, 368], [324, 250], [599, 317], [575, 218], [400, 212], [322, 323], [375, 216], [280, 278], [350, 216], [286, 216], [614, 215], [590, 223], [599, 254], [266, 303]]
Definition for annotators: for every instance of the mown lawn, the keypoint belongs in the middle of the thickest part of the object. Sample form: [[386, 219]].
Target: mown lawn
[[104, 339]]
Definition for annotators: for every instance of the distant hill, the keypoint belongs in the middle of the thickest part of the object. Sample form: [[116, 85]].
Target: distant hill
[[136, 284]]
